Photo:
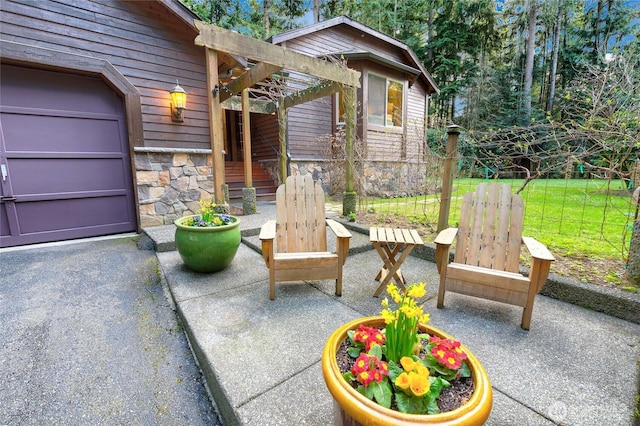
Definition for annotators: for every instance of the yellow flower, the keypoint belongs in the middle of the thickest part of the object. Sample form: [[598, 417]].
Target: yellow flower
[[424, 318], [385, 302], [421, 370], [388, 316], [408, 363], [416, 291], [418, 384], [392, 290], [411, 311], [402, 381]]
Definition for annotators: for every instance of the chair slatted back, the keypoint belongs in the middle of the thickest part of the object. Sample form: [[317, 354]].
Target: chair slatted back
[[300, 216], [490, 228]]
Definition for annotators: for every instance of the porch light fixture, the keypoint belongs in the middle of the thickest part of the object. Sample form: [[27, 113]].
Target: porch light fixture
[[178, 103]]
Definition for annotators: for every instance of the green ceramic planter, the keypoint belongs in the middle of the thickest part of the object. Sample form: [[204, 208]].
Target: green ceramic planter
[[207, 249]]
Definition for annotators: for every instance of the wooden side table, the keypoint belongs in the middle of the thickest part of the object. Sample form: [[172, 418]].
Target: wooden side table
[[390, 242]]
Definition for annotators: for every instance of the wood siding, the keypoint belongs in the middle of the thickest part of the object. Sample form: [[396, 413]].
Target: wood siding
[[342, 38], [416, 113], [142, 40], [264, 137], [309, 124]]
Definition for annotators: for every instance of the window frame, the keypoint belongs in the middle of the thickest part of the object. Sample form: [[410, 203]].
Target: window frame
[[386, 121]]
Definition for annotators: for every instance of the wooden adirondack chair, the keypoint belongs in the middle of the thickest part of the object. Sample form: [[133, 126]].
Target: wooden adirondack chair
[[487, 252], [294, 246]]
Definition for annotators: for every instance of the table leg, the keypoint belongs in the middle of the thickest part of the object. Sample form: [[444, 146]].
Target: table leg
[[391, 268]]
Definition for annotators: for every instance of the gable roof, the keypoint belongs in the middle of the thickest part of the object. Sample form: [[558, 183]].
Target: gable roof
[[413, 62], [181, 11]]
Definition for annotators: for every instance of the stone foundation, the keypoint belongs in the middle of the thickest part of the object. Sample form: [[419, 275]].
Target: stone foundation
[[377, 178], [170, 184]]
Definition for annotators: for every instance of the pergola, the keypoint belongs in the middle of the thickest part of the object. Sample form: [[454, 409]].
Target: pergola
[[250, 75]]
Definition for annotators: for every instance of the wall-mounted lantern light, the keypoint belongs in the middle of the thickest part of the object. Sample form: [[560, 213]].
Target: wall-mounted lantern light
[[178, 103]]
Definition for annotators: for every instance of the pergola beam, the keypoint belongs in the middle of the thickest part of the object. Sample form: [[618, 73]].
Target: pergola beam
[[248, 79], [217, 38], [258, 106], [310, 94]]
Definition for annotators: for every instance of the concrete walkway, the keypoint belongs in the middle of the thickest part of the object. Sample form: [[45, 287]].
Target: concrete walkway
[[261, 358]]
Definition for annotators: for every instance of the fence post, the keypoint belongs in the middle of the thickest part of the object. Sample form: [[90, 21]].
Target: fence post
[[453, 132]]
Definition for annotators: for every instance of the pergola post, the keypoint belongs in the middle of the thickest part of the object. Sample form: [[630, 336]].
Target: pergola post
[[215, 126], [349, 196], [248, 192], [282, 136]]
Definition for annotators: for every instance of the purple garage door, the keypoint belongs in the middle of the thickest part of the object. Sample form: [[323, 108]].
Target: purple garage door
[[64, 159]]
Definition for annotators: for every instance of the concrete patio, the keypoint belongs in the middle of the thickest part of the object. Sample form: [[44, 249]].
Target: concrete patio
[[261, 358]]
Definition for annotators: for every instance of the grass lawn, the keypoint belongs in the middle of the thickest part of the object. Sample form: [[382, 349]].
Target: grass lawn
[[585, 222]]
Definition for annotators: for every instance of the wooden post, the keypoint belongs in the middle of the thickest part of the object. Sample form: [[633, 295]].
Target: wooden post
[[349, 197], [246, 138], [453, 132], [282, 136], [350, 131], [215, 126]]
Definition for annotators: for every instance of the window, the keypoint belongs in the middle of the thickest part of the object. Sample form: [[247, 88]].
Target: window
[[385, 101]]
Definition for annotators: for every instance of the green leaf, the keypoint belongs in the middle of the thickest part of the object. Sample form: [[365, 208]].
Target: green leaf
[[368, 391], [354, 352], [437, 383], [394, 371], [464, 370], [382, 393], [376, 350], [410, 404], [432, 405]]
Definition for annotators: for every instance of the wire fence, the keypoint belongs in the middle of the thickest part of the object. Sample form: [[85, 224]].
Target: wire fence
[[577, 212]]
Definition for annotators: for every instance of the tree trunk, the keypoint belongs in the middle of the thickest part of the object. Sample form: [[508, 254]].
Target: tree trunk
[[596, 32], [530, 54], [316, 11], [430, 36], [554, 58], [266, 19]]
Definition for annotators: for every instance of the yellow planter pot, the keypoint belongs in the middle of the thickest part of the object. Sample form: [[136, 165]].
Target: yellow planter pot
[[352, 408]]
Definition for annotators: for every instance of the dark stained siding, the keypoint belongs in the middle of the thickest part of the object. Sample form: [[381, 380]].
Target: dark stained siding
[[415, 123], [381, 143], [141, 39], [342, 38], [264, 137], [307, 124]]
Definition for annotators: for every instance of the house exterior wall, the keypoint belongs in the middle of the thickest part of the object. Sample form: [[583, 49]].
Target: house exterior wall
[[385, 148], [151, 48], [141, 40]]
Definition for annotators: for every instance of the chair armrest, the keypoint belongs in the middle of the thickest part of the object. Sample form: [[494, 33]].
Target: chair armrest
[[443, 241], [446, 236], [268, 230], [338, 229], [537, 249]]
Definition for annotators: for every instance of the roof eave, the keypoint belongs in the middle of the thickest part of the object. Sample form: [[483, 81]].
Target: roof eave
[[181, 11]]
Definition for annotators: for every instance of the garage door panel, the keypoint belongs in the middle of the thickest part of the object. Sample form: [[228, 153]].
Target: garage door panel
[[38, 133], [63, 140], [32, 88], [87, 213], [64, 175], [4, 220]]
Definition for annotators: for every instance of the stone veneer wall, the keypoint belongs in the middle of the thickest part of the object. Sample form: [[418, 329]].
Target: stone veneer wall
[[170, 183], [380, 178]]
